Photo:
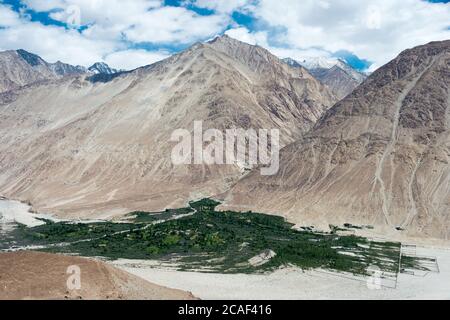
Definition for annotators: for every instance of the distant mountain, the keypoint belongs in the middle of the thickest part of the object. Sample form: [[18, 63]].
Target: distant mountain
[[292, 62], [379, 157], [340, 77], [102, 68], [312, 63], [20, 68], [101, 149], [339, 80], [64, 69]]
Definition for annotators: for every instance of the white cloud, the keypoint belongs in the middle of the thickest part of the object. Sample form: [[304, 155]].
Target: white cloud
[[51, 42], [55, 43], [47, 5], [223, 6], [244, 35], [174, 24], [132, 59], [376, 30], [102, 12], [138, 20], [261, 38], [111, 26], [8, 18]]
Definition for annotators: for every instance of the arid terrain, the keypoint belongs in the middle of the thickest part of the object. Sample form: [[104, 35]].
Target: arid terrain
[[87, 146], [41, 276], [336, 74], [15, 70], [364, 178], [78, 147], [236, 150], [295, 284], [379, 157]]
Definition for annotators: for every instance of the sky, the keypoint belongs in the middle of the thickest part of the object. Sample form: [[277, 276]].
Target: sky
[[133, 33]]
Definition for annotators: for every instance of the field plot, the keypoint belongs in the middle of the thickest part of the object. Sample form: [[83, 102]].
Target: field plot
[[294, 283], [417, 265]]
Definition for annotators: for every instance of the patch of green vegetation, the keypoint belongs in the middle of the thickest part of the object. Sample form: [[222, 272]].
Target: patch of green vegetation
[[62, 232], [217, 241], [226, 241], [204, 205], [149, 217], [416, 263]]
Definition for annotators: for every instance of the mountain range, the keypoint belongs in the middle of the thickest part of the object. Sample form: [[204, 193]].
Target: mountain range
[[19, 68], [102, 68], [95, 142], [78, 147], [381, 156], [338, 75]]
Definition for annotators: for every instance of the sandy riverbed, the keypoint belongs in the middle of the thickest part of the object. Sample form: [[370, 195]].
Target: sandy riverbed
[[12, 212], [292, 283]]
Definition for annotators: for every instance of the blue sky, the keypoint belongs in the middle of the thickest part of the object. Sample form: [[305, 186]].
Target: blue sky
[[127, 34]]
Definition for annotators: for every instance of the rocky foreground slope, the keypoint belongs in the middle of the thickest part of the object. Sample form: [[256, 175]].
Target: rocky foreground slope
[[379, 157], [77, 147], [42, 276]]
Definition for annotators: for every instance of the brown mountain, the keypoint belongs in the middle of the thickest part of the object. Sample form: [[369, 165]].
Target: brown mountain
[[100, 146], [341, 80], [379, 157], [20, 68], [42, 276], [336, 74]]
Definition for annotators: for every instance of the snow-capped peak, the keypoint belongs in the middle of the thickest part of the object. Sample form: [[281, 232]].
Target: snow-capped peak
[[102, 68], [320, 62], [292, 62], [314, 63]]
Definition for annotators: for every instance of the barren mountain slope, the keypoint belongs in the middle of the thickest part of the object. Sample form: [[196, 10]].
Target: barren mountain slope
[[20, 68], [79, 148], [336, 74], [379, 157], [42, 276], [339, 80]]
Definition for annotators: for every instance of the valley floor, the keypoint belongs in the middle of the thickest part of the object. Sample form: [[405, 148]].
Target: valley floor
[[287, 283], [293, 283]]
